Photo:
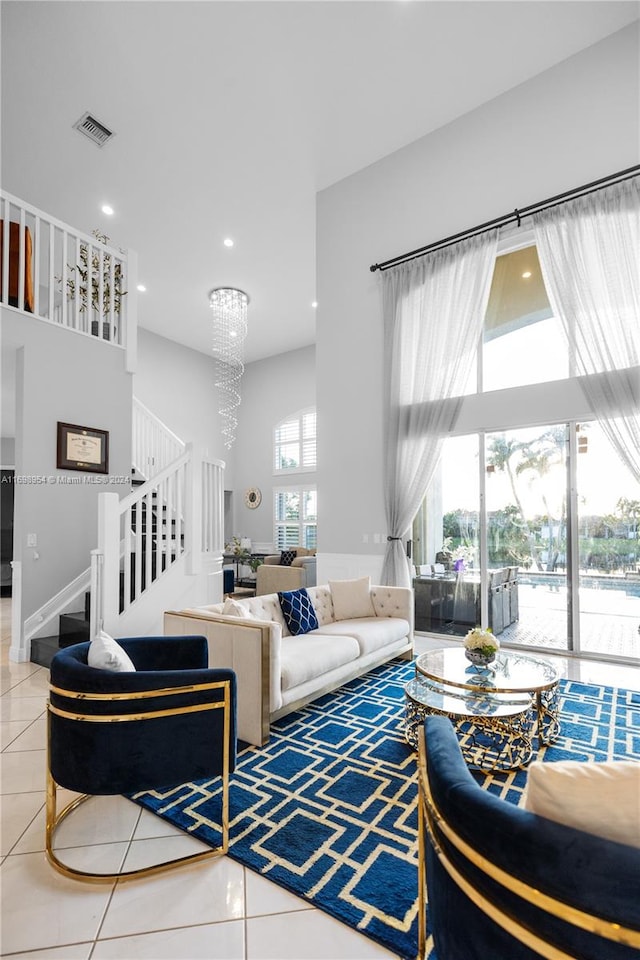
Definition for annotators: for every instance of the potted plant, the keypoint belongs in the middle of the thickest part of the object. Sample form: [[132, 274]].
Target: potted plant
[[242, 555], [86, 285], [461, 556], [480, 646]]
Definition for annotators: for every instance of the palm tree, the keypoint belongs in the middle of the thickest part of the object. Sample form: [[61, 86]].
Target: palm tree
[[501, 454], [540, 456]]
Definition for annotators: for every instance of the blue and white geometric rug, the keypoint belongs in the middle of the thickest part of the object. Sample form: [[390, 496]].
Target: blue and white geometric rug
[[327, 808]]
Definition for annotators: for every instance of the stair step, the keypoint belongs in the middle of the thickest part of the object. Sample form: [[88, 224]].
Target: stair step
[[74, 628], [43, 650]]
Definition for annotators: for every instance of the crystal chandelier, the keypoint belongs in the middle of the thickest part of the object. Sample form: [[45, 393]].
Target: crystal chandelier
[[229, 308]]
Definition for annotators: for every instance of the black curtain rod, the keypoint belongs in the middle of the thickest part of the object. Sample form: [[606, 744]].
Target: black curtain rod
[[514, 217]]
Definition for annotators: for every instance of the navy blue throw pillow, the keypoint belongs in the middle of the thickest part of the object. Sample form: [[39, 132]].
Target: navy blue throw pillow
[[287, 557], [298, 612]]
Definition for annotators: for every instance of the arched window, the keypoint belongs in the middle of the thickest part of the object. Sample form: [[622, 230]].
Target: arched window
[[295, 443]]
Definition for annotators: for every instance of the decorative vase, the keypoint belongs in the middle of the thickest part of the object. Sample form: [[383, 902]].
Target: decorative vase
[[458, 566], [480, 659]]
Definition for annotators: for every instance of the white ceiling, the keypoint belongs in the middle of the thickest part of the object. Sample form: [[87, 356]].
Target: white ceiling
[[230, 116]]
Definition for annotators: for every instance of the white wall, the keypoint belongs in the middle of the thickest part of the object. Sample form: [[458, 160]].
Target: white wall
[[572, 124], [62, 376], [7, 451], [272, 389], [176, 384]]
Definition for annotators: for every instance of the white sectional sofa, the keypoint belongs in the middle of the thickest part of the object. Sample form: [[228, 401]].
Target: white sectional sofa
[[277, 672]]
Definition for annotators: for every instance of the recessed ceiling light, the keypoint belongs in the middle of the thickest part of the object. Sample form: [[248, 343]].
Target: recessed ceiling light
[[314, 304], [142, 288], [228, 242], [526, 274], [107, 209]]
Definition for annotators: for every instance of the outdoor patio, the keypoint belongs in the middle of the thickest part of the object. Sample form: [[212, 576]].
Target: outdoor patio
[[609, 618]]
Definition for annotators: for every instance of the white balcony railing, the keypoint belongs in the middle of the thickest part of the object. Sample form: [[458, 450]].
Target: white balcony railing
[[59, 274]]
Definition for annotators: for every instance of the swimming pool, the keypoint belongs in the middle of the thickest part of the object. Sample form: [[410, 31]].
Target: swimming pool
[[588, 581]]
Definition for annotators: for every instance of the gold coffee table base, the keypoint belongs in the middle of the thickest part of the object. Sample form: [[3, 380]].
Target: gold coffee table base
[[495, 732]]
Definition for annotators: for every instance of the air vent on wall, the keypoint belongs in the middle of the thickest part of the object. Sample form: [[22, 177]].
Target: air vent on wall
[[93, 129]]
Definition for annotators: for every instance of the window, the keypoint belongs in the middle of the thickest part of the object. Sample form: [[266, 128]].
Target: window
[[295, 443], [525, 484], [296, 517], [523, 341]]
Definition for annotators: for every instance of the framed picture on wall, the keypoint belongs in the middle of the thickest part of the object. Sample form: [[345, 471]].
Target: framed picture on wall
[[82, 448]]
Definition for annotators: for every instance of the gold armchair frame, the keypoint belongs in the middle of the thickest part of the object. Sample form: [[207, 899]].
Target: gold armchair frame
[[431, 822], [54, 819]]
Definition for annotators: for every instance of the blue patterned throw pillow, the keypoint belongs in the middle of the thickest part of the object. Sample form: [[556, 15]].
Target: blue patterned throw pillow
[[287, 557], [298, 611]]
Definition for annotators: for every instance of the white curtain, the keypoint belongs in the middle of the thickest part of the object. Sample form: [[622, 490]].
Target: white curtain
[[434, 311], [589, 251]]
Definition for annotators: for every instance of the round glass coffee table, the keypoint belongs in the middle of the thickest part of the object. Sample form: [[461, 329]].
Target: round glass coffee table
[[497, 709]]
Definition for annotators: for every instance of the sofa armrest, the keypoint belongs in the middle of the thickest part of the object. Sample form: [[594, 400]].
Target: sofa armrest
[[249, 647]]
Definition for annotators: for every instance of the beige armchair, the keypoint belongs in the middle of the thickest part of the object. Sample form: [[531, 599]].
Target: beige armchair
[[272, 577]]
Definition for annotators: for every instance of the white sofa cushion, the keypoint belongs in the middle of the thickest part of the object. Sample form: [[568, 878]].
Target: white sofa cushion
[[352, 598], [322, 604], [266, 607], [372, 633], [599, 798], [311, 655], [233, 608]]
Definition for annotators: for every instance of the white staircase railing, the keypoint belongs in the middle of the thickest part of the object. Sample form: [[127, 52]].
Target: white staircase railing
[[155, 446], [176, 514], [64, 276], [58, 604], [212, 526]]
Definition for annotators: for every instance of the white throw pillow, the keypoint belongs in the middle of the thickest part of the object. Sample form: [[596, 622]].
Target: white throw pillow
[[232, 608], [352, 598], [106, 654], [599, 798]]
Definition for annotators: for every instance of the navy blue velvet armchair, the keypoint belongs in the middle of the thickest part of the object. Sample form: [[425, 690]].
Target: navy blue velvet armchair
[[505, 884], [171, 721]]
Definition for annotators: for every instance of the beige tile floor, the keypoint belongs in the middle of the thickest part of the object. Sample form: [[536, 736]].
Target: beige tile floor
[[217, 911]]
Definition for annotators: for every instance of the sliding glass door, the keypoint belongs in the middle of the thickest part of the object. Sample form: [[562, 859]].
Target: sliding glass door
[[526, 517], [533, 532], [608, 516]]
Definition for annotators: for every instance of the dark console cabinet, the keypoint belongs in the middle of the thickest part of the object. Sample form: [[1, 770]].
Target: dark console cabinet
[[443, 602]]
